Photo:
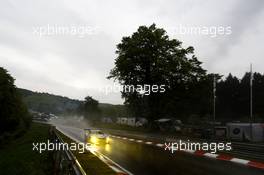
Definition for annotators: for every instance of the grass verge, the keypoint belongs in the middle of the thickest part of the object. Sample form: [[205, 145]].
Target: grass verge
[[18, 158]]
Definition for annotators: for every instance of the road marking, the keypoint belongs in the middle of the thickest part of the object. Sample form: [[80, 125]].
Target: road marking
[[210, 155], [159, 145], [110, 162], [148, 143], [124, 138], [115, 169], [189, 151], [241, 161], [139, 141], [131, 139]]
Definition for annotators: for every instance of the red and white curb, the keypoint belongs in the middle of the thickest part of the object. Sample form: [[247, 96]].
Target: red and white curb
[[224, 157], [231, 159], [110, 163], [139, 141]]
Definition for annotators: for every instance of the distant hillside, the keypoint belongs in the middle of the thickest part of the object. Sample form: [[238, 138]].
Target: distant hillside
[[48, 103]]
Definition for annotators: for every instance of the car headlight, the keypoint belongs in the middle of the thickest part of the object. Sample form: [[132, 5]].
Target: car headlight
[[107, 139], [94, 139]]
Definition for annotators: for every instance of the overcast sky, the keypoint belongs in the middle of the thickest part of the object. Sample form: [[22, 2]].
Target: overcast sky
[[76, 64]]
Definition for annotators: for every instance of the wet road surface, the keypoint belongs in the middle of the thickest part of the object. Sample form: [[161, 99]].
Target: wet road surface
[[143, 159]]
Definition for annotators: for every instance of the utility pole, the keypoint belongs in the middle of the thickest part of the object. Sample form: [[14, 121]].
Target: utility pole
[[214, 96], [251, 106]]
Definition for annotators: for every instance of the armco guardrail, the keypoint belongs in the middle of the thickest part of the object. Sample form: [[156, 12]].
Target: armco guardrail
[[64, 160]]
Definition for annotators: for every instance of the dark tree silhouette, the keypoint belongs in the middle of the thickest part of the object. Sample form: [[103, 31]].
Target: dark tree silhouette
[[14, 117], [150, 57]]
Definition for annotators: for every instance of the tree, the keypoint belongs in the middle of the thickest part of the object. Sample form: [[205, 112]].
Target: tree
[[201, 93], [13, 113], [150, 57], [258, 95], [233, 98], [228, 97], [90, 108]]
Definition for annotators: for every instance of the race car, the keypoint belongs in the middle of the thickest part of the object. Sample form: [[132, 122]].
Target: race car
[[95, 136]]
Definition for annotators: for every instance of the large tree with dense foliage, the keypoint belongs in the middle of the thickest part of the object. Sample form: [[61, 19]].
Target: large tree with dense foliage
[[14, 116], [150, 57]]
